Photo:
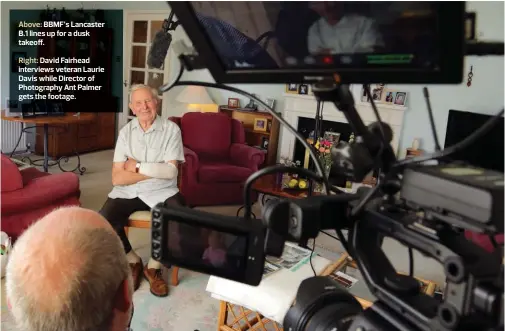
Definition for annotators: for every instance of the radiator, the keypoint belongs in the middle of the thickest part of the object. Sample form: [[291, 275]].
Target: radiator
[[10, 135]]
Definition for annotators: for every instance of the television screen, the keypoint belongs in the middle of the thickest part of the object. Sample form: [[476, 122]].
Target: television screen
[[487, 151]]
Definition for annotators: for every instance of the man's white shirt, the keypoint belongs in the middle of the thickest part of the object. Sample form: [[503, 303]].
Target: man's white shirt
[[162, 142], [352, 34]]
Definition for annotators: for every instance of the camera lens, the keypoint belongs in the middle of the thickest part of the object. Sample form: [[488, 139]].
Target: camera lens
[[320, 305]]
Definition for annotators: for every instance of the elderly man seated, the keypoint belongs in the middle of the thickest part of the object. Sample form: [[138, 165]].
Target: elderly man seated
[[144, 173], [69, 271]]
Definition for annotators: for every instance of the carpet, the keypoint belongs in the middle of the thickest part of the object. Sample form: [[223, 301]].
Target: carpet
[[187, 307]]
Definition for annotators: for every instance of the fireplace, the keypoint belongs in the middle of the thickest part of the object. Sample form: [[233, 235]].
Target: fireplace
[[300, 110], [306, 127]]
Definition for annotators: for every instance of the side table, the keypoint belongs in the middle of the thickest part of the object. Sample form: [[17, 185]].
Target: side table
[[234, 317]]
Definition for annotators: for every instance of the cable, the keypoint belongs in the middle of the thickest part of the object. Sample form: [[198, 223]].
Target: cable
[[330, 235], [432, 121], [411, 262], [168, 86], [454, 148], [310, 258]]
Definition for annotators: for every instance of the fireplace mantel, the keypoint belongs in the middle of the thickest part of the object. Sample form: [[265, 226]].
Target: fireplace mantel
[[296, 106]]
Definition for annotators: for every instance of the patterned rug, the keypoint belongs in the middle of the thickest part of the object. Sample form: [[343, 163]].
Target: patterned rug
[[188, 307]]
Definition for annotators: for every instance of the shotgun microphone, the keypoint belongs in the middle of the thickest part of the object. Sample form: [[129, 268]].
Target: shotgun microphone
[[161, 43], [159, 49]]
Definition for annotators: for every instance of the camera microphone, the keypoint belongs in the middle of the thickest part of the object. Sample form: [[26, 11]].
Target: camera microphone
[[159, 49], [161, 43]]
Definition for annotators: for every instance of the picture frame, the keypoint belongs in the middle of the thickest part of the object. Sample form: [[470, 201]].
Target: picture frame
[[303, 89], [292, 88], [15, 65], [260, 124], [377, 94], [400, 99], [264, 142], [270, 103], [388, 96], [233, 103]]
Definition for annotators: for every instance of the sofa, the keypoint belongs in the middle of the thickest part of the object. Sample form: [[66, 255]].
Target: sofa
[[218, 162], [30, 194]]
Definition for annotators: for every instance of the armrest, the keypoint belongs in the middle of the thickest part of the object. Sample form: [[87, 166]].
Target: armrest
[[247, 156], [190, 166], [41, 192]]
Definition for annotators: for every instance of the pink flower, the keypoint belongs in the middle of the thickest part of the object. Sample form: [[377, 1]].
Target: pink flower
[[321, 149]]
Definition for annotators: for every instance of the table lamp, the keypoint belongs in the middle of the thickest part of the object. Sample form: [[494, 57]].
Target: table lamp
[[197, 98]]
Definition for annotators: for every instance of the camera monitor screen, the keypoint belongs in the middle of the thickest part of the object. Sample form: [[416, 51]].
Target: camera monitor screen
[[359, 40], [208, 250]]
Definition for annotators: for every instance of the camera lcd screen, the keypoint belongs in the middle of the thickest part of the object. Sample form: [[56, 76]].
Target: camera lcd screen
[[319, 34], [207, 250]]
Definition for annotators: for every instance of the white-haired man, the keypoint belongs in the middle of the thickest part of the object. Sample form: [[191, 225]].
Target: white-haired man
[[69, 272], [144, 173]]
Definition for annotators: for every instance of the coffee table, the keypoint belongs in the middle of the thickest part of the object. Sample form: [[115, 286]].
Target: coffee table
[[234, 316]]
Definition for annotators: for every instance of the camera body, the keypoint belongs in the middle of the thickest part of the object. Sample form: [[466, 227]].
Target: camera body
[[227, 247]]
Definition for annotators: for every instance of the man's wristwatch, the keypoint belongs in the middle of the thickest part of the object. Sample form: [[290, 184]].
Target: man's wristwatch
[[137, 167]]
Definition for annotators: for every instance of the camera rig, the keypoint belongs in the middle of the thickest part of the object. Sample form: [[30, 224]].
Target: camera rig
[[474, 290], [416, 204]]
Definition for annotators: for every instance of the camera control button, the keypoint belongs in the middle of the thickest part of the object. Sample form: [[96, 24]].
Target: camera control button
[[156, 224], [156, 214], [156, 255], [156, 235], [156, 245]]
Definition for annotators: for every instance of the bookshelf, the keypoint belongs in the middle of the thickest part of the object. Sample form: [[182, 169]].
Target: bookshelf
[[257, 138]]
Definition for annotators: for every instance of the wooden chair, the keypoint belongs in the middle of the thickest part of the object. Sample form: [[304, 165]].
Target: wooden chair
[[142, 220]]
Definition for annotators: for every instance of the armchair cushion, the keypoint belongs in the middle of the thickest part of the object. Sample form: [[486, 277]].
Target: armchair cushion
[[246, 156], [42, 191], [207, 134], [220, 172], [11, 176]]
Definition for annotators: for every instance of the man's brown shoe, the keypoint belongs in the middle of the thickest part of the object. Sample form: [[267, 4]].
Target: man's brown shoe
[[136, 273], [158, 286]]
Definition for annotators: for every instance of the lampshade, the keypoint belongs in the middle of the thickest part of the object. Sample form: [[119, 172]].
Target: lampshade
[[195, 95]]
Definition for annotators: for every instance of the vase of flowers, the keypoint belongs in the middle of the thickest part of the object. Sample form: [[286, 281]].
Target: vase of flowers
[[323, 152]]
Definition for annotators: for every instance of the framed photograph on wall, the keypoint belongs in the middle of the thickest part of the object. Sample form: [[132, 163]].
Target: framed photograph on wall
[[292, 88]]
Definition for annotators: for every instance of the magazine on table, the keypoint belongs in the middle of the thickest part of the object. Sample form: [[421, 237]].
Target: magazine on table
[[292, 256], [270, 268]]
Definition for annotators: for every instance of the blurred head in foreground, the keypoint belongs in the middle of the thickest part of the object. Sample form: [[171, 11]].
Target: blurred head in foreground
[[68, 271]]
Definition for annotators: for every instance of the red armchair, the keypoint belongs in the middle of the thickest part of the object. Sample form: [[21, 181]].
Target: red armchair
[[30, 194], [218, 161]]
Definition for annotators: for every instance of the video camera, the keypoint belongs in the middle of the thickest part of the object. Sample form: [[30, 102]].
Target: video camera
[[423, 206]]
